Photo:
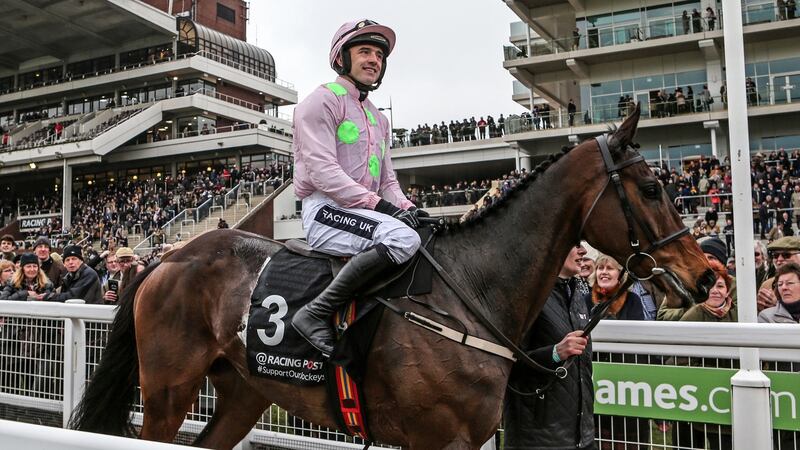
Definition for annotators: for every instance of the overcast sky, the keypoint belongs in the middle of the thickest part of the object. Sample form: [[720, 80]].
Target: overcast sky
[[447, 63]]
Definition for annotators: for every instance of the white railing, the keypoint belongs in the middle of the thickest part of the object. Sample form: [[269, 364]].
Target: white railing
[[244, 68], [70, 340]]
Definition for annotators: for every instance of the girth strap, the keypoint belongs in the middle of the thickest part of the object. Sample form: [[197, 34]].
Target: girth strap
[[450, 333]]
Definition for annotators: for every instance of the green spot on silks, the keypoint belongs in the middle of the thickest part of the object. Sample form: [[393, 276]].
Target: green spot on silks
[[348, 132], [383, 148], [337, 89], [374, 166], [371, 118]]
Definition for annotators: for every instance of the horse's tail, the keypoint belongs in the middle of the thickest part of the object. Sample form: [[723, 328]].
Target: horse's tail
[[110, 394]]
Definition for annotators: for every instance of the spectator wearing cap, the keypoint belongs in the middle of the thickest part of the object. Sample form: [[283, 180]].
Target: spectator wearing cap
[[782, 251], [128, 266], [28, 283], [54, 270], [7, 247], [81, 282]]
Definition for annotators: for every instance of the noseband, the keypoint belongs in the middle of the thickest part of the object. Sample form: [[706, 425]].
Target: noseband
[[613, 172]]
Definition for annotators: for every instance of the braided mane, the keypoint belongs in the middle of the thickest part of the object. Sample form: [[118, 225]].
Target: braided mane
[[503, 201]]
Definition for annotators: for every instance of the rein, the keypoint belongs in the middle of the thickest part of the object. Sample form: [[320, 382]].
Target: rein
[[508, 349], [598, 312]]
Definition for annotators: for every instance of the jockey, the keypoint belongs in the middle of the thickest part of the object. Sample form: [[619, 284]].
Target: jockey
[[352, 202]]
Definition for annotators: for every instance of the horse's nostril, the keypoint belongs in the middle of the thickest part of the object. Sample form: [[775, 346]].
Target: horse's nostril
[[706, 282]]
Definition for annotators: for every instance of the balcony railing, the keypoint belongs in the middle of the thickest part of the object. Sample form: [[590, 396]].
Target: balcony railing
[[51, 138], [553, 119], [150, 62], [656, 28]]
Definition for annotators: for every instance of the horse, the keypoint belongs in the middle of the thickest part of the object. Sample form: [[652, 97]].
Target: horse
[[178, 321]]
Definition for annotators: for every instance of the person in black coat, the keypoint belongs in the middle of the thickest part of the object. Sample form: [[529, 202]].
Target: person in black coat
[[563, 415], [81, 282]]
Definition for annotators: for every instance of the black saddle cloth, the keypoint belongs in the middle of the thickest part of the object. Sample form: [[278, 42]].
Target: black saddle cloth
[[289, 281]]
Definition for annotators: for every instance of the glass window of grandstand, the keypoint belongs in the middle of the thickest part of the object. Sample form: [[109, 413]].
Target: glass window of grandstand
[[89, 104], [676, 155], [40, 112], [262, 160], [90, 67], [118, 176], [657, 94], [160, 132], [763, 11], [146, 94], [196, 125], [135, 58], [773, 82], [6, 84], [206, 166], [41, 77], [190, 87], [770, 144], [6, 120], [646, 22]]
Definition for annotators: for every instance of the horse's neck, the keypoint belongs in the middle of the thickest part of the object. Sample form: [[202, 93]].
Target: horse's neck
[[510, 262]]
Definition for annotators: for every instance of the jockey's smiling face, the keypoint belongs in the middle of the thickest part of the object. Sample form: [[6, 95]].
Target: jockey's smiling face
[[366, 63]]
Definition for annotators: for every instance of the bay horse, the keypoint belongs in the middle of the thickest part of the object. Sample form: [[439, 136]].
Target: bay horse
[[178, 321]]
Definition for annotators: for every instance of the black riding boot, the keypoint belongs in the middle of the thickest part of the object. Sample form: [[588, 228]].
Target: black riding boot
[[313, 320]]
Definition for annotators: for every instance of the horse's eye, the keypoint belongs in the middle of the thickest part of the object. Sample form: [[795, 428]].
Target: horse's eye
[[651, 191]]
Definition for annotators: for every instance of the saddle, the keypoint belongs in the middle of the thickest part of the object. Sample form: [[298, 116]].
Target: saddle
[[413, 277], [288, 280]]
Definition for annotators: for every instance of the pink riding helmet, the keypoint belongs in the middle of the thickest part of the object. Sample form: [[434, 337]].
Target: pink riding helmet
[[370, 30]]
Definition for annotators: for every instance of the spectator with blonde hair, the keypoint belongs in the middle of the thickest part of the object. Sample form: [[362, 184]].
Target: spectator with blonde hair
[[606, 280], [29, 282], [7, 270]]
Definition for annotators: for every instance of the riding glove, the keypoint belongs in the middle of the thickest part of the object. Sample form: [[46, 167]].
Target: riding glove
[[407, 216]]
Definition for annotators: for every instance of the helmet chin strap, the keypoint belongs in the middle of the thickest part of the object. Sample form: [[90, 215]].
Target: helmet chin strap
[[363, 89]]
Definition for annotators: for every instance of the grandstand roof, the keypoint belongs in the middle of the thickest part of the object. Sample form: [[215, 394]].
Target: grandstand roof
[[34, 29], [194, 32]]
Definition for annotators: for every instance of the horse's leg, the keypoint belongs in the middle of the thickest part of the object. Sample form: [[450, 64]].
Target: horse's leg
[[238, 408], [168, 394]]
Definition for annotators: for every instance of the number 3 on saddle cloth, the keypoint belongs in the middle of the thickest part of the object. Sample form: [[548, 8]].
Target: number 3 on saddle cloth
[[294, 276]]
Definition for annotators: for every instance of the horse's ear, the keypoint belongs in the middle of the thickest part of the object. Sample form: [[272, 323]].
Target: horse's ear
[[623, 137]]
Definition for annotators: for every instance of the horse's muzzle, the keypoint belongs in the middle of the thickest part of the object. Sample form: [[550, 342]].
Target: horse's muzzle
[[704, 285]]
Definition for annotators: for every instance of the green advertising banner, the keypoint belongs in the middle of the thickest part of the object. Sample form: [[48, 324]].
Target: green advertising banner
[[692, 394]]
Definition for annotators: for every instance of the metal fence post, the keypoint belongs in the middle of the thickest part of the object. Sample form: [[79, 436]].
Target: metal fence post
[[752, 417], [74, 365], [750, 398]]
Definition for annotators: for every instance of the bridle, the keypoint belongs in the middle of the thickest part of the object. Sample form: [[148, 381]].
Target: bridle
[[599, 311], [507, 348], [613, 171]]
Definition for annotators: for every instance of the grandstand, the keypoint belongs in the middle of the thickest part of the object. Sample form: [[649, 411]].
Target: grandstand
[[112, 93], [125, 121]]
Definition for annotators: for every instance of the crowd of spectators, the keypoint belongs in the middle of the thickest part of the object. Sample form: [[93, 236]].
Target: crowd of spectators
[[456, 131], [107, 214]]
